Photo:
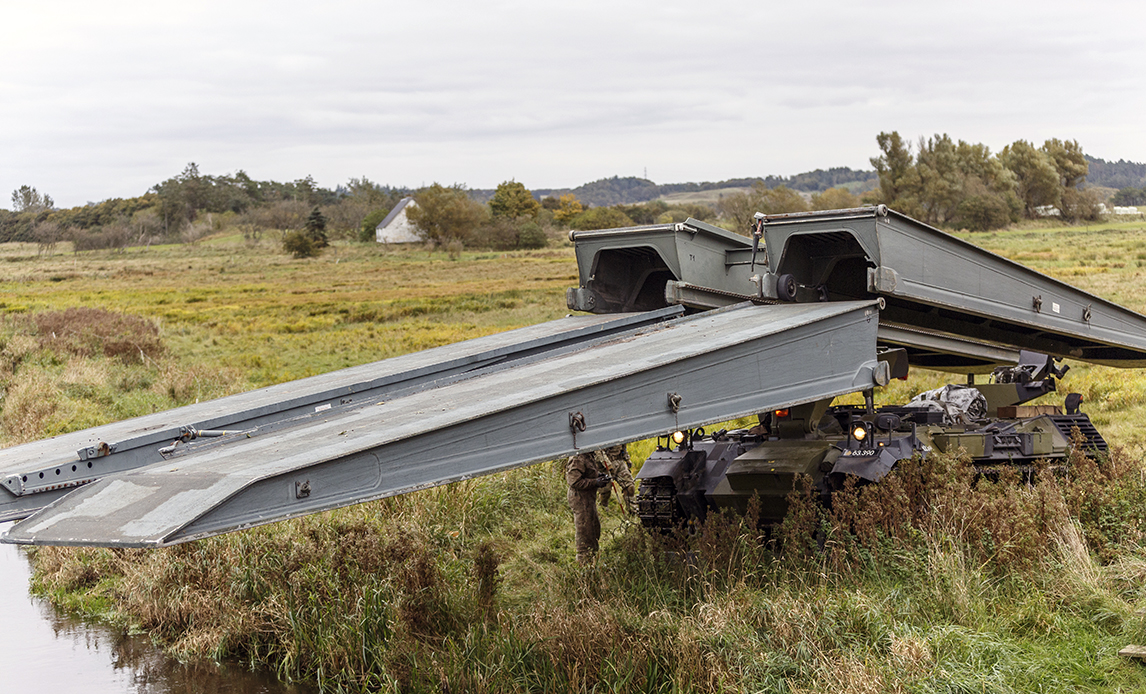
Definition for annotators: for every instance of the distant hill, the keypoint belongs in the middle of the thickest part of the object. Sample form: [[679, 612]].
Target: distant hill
[[1115, 174], [629, 190]]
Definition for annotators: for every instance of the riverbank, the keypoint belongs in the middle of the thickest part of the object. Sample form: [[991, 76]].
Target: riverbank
[[45, 649]]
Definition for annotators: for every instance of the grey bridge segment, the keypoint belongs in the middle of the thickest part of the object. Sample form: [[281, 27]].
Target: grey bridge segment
[[723, 364], [935, 281], [925, 349], [945, 352], [940, 290], [692, 251], [35, 474]]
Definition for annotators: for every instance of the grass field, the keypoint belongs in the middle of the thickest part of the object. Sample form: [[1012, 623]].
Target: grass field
[[702, 197], [932, 583]]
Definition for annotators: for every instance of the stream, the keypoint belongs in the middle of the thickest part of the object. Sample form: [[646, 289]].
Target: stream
[[42, 650]]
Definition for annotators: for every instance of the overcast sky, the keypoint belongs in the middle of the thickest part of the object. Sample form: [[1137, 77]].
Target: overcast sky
[[105, 99]]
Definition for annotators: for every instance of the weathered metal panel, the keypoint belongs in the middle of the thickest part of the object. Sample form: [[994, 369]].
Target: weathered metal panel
[[35, 474], [723, 364]]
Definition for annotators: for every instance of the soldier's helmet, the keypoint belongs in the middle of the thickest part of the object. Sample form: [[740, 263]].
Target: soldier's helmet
[[617, 451]]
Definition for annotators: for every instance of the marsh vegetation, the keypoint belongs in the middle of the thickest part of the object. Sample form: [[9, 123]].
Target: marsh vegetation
[[933, 581]]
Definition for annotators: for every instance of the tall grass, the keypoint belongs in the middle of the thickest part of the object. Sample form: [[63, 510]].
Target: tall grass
[[933, 581]]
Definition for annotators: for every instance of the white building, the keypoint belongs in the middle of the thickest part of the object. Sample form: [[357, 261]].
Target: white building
[[396, 228]]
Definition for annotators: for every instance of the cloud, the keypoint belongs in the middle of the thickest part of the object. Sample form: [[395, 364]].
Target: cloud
[[110, 98]]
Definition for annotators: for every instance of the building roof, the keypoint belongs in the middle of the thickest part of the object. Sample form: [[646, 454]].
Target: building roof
[[395, 212]]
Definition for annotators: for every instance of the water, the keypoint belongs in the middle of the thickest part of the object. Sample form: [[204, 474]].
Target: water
[[42, 650]]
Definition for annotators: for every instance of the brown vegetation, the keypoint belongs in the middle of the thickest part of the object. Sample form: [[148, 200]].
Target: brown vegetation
[[86, 331]]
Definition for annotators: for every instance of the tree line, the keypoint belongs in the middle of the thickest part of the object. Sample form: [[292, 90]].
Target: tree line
[[944, 182], [514, 217], [191, 205], [629, 190], [1115, 174], [964, 186]]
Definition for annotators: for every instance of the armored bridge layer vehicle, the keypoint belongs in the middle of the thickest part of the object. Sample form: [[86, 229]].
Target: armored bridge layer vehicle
[[692, 472], [676, 327], [946, 305]]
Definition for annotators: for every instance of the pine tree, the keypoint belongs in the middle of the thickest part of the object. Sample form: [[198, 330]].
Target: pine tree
[[316, 228]]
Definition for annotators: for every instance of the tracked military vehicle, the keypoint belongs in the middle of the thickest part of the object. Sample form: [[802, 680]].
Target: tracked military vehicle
[[956, 308], [692, 472]]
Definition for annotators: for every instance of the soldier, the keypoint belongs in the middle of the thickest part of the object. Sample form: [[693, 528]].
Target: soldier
[[585, 473], [618, 460]]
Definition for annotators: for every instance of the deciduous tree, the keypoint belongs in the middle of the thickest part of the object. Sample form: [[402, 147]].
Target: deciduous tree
[[601, 218], [1037, 179], [443, 214], [737, 209], [779, 200], [834, 199], [513, 200], [47, 234], [568, 207], [368, 191], [741, 208]]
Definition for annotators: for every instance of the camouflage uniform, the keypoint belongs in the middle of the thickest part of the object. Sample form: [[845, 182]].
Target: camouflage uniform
[[582, 474], [618, 460]]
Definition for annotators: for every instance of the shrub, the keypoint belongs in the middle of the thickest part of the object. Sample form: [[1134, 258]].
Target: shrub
[[982, 212], [454, 249], [532, 235], [300, 245], [500, 233], [113, 236], [1081, 204]]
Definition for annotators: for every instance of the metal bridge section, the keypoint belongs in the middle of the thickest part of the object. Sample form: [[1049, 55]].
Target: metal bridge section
[[952, 305], [34, 475], [452, 414]]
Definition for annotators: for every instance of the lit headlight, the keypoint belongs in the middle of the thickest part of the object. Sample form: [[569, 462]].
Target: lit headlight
[[678, 437], [859, 432]]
